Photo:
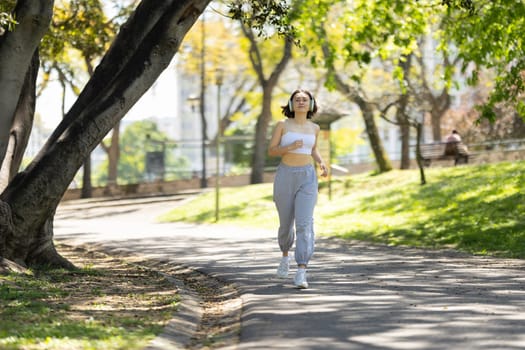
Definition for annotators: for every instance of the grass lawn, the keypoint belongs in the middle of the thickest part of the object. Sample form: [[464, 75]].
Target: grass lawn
[[105, 304], [475, 208]]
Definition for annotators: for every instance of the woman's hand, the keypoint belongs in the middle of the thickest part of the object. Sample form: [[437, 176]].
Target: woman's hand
[[324, 169], [297, 144]]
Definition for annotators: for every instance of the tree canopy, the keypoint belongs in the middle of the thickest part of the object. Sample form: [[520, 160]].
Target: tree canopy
[[486, 34], [489, 34]]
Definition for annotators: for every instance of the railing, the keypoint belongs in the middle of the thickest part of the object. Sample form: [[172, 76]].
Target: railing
[[502, 145], [481, 147]]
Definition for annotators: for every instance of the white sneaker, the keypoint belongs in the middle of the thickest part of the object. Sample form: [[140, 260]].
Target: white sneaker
[[284, 267], [300, 279]]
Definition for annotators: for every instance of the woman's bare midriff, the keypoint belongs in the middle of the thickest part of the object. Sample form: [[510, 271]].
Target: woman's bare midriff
[[296, 159]]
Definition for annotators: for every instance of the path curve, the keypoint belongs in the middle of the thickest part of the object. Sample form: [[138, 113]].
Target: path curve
[[361, 296]]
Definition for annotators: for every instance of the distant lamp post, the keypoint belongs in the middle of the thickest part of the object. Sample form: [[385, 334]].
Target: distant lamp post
[[219, 76], [194, 102]]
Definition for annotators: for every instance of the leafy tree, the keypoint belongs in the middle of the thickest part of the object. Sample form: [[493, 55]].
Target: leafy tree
[[433, 91], [79, 35], [347, 40], [131, 165], [490, 35], [267, 81], [140, 52], [268, 68], [226, 54], [508, 125], [142, 49], [352, 40]]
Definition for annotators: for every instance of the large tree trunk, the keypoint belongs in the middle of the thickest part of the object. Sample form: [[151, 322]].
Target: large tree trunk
[[22, 125], [16, 52], [142, 50]]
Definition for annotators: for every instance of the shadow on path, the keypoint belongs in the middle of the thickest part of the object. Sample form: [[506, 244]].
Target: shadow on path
[[361, 296]]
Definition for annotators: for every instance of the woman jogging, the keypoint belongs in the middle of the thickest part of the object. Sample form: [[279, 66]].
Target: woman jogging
[[295, 186]]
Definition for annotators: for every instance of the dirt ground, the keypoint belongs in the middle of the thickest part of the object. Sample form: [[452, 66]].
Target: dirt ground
[[146, 282], [128, 299], [134, 291]]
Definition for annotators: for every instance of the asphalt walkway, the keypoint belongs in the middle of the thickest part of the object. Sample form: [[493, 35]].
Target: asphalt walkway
[[361, 296]]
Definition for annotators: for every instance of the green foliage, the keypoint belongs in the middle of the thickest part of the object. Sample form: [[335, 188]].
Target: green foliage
[[134, 143], [266, 17], [465, 4], [490, 34], [78, 37], [476, 209], [363, 30], [6, 9], [343, 141], [349, 35]]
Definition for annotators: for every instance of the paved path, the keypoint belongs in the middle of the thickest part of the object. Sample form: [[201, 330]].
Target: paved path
[[360, 297]]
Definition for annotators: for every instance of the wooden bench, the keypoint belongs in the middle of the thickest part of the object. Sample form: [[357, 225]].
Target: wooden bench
[[456, 151]]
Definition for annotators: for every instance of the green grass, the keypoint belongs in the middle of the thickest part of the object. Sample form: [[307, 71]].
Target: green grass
[[84, 309], [476, 209]]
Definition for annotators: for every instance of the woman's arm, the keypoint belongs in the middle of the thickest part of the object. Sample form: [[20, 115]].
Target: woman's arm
[[317, 156], [275, 149]]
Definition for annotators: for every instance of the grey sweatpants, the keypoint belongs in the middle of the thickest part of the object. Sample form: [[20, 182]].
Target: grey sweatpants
[[295, 196]]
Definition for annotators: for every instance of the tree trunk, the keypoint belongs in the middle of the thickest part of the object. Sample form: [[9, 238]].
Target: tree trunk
[[113, 153], [261, 132], [367, 111], [401, 114], [268, 85], [142, 50], [22, 125], [113, 156], [16, 52], [435, 121], [419, 158], [382, 160], [86, 179], [404, 129], [440, 106]]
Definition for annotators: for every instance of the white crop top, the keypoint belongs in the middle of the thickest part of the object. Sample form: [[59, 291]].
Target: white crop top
[[308, 141]]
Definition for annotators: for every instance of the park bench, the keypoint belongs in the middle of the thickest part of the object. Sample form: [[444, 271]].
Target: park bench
[[444, 151]]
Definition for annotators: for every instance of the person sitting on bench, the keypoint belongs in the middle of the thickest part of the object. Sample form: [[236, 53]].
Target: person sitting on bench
[[452, 140], [454, 147]]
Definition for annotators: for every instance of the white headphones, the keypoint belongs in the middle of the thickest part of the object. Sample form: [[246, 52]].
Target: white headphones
[[311, 107]]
